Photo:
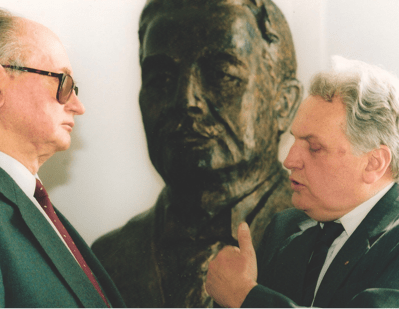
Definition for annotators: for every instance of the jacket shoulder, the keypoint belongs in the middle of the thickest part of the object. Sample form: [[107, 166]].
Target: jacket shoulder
[[283, 225], [287, 221], [110, 245], [127, 254]]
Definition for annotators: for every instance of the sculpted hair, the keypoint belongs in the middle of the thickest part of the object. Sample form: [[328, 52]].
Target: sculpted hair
[[371, 97], [11, 50], [279, 52]]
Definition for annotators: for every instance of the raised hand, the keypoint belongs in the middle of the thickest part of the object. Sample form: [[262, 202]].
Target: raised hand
[[233, 273]]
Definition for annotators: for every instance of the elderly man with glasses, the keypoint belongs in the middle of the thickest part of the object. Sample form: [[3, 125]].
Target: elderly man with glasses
[[43, 260]]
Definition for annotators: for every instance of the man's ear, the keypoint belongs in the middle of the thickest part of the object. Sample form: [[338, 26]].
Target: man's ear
[[4, 79], [378, 164], [289, 97]]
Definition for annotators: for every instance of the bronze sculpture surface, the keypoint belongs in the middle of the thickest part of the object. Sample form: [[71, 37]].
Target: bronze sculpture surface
[[218, 90]]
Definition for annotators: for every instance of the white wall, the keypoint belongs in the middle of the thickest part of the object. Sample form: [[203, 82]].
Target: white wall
[[366, 30], [105, 178]]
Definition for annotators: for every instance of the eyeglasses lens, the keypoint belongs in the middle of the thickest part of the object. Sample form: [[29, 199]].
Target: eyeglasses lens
[[66, 89]]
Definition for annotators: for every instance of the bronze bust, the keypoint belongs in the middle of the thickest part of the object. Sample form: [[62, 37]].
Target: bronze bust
[[218, 90]]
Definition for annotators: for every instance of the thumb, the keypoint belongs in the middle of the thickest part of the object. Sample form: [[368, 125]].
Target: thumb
[[245, 240]]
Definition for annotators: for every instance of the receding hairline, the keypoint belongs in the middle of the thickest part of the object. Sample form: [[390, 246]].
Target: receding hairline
[[12, 49]]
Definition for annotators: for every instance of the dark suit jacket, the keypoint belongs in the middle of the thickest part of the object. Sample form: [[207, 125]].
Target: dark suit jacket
[[36, 269], [365, 272]]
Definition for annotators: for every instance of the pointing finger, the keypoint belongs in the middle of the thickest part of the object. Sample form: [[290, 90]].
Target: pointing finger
[[245, 240]]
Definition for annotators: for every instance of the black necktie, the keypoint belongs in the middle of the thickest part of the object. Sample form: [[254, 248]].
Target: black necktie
[[325, 238]]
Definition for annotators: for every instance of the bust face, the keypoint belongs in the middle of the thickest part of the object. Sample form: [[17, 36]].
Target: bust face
[[206, 97]]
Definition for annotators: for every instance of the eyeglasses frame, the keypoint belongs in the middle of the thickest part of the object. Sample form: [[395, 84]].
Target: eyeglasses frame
[[61, 78]]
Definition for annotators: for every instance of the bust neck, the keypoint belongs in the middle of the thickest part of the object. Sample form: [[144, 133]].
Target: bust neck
[[197, 205]]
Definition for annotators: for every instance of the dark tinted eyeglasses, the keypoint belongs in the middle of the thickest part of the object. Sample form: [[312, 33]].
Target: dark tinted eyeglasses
[[65, 86]]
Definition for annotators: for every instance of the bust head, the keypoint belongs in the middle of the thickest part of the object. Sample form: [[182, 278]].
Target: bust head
[[218, 88]]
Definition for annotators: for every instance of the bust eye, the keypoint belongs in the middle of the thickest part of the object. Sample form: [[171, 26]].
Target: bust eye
[[159, 80], [223, 73], [219, 78], [220, 75]]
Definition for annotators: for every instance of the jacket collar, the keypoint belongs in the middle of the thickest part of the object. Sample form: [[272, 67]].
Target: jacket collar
[[379, 220], [50, 242], [288, 273]]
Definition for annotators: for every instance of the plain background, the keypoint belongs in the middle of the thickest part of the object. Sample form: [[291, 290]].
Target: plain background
[[106, 178]]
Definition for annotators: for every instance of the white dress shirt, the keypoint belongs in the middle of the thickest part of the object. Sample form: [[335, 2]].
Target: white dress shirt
[[27, 182], [350, 222]]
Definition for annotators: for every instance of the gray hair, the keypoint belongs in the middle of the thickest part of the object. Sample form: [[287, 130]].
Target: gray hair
[[371, 97], [11, 49]]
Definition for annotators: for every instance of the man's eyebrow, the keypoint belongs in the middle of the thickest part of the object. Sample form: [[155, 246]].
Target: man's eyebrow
[[306, 137], [66, 70]]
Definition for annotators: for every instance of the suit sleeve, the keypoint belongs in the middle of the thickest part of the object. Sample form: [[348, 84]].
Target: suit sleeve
[[385, 290], [2, 292], [263, 297], [376, 298]]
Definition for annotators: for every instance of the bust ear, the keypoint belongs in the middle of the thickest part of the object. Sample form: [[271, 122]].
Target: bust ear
[[289, 97], [378, 162]]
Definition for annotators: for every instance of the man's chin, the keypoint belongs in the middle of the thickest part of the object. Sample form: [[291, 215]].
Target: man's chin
[[297, 201], [63, 145], [302, 205]]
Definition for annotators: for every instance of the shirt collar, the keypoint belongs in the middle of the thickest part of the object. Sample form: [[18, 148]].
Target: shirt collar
[[352, 219], [19, 173]]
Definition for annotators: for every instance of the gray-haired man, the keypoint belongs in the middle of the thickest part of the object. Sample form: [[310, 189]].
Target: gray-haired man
[[339, 246]]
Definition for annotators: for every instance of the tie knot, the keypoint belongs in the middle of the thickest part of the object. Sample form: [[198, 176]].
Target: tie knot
[[330, 231], [40, 191]]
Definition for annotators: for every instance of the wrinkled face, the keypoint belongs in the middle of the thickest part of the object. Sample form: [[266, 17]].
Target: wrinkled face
[[31, 109], [325, 175], [206, 97]]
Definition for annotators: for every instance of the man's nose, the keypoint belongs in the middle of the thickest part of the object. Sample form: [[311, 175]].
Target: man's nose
[[293, 159], [75, 105]]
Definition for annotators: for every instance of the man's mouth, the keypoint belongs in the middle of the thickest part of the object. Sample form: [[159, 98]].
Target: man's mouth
[[296, 185], [69, 125]]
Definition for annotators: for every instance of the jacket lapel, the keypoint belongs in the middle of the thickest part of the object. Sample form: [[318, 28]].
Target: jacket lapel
[[290, 263], [63, 260], [105, 281], [383, 214]]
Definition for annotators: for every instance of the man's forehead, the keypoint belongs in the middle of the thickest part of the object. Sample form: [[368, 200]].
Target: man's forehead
[[44, 49], [316, 116]]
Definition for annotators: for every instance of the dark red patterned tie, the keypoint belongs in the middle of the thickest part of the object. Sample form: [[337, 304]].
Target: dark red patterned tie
[[42, 197]]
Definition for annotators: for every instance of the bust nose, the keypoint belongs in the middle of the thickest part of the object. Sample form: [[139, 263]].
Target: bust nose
[[190, 94]]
